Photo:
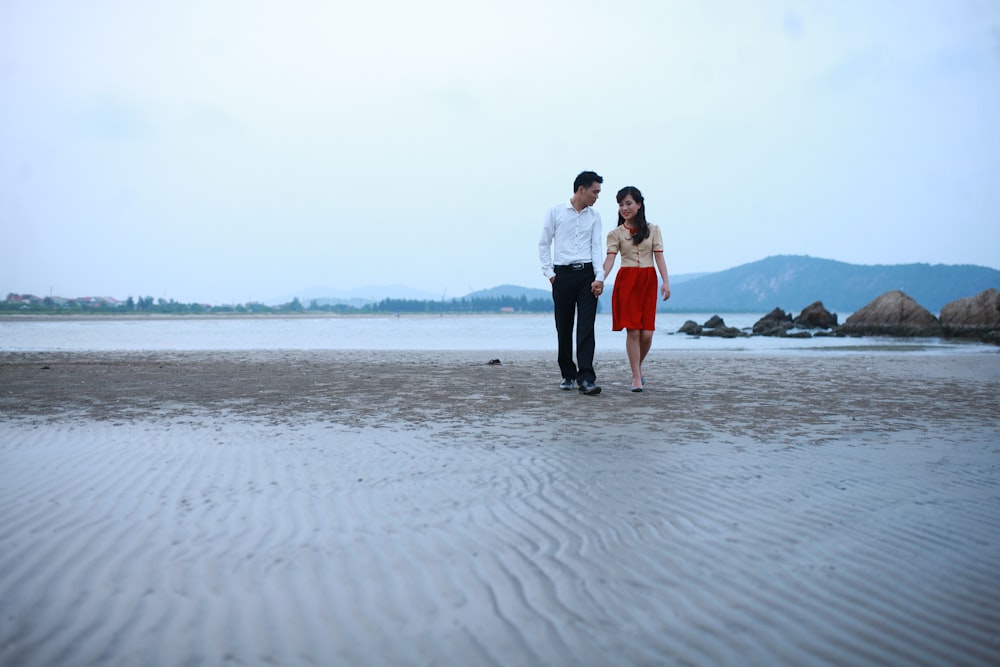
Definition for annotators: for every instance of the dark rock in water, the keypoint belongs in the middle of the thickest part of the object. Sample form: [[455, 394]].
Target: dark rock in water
[[778, 322], [775, 323], [722, 332], [493, 362], [716, 326], [815, 316], [892, 314], [975, 317], [690, 328]]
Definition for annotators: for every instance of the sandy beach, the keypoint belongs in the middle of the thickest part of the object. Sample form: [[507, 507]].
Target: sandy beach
[[427, 508]]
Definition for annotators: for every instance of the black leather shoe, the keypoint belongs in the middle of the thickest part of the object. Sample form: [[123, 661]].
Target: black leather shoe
[[589, 388], [566, 384]]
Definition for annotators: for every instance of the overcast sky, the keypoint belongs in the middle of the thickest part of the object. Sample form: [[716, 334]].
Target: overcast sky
[[234, 150]]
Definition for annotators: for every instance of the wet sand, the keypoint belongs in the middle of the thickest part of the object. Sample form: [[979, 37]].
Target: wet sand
[[426, 508]]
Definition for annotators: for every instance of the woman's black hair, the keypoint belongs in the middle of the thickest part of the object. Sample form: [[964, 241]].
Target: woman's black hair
[[641, 232]]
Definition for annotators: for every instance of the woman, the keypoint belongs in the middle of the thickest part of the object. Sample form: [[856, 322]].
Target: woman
[[633, 301]]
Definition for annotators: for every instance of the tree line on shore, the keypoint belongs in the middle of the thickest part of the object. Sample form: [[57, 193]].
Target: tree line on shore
[[16, 303]]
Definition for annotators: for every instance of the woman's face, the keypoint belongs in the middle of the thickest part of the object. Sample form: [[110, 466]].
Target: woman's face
[[627, 208]]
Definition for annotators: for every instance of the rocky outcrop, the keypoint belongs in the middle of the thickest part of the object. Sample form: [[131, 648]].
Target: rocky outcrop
[[775, 323], [892, 314], [976, 317], [815, 316], [714, 326], [722, 332], [779, 323], [691, 328]]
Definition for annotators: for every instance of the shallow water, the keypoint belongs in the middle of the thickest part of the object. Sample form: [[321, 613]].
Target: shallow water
[[506, 332]]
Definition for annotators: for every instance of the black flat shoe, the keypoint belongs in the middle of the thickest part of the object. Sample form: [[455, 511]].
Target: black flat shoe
[[637, 389]]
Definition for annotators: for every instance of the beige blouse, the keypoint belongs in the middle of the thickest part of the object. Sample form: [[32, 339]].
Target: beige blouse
[[620, 241]]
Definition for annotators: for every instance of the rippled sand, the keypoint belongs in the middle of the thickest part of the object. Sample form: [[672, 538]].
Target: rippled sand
[[431, 509]]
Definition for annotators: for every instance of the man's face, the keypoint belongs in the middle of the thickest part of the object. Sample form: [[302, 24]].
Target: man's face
[[589, 195]]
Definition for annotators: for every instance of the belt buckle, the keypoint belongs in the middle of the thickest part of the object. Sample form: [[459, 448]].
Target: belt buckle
[[576, 266]]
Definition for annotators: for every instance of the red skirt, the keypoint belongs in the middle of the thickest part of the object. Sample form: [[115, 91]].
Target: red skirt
[[633, 301]]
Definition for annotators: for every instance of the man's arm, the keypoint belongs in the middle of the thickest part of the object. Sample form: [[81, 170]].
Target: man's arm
[[597, 249], [545, 246]]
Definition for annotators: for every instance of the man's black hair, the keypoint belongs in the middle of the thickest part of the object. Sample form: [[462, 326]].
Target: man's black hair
[[586, 179]]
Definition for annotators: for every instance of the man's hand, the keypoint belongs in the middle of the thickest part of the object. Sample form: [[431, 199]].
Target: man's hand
[[597, 287]]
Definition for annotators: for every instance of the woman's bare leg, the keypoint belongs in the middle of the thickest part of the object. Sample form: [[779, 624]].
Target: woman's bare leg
[[633, 349], [645, 342]]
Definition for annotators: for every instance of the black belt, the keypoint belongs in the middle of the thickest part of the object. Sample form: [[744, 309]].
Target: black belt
[[576, 266]]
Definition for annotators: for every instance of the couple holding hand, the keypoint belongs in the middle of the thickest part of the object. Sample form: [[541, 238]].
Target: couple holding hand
[[575, 261]]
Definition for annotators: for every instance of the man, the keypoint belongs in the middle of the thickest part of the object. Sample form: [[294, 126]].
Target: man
[[571, 250]]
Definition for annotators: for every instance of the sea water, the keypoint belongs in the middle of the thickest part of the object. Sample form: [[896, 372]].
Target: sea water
[[492, 333]]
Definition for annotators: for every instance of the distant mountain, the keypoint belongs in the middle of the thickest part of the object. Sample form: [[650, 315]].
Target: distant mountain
[[361, 296], [792, 282], [358, 296], [511, 291], [530, 293], [789, 282], [685, 277]]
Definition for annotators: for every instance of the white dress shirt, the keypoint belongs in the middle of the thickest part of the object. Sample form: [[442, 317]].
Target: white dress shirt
[[569, 237]]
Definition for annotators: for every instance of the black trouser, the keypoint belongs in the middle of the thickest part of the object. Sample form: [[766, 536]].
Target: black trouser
[[573, 298]]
